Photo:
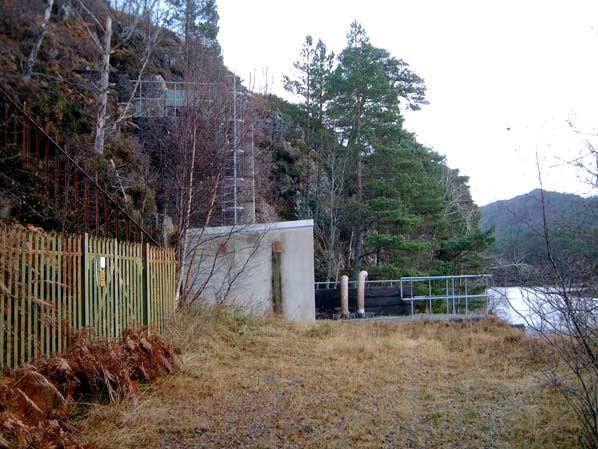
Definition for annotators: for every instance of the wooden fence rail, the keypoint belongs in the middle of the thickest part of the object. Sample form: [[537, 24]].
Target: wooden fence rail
[[52, 285]]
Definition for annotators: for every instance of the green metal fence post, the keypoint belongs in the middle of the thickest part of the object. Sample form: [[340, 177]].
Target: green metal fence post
[[146, 286], [85, 279], [49, 279]]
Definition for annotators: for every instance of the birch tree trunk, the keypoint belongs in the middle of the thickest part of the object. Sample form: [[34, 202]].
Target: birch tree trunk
[[38, 43], [104, 80], [185, 217]]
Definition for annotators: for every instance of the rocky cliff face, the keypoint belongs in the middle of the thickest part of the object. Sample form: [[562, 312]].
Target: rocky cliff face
[[140, 164]]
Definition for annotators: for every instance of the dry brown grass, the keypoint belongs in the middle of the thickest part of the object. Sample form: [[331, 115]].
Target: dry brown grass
[[264, 383]]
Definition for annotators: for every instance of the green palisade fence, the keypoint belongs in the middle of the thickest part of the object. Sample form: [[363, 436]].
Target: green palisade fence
[[52, 285]]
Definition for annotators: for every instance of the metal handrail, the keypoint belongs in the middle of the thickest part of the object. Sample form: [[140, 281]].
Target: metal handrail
[[441, 278], [453, 289], [392, 282]]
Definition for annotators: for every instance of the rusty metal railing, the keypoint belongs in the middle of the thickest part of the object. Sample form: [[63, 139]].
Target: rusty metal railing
[[50, 188]]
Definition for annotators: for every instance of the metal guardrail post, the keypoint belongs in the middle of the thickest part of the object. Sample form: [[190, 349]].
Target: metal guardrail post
[[466, 298], [430, 294], [412, 309], [447, 297], [487, 302], [453, 295]]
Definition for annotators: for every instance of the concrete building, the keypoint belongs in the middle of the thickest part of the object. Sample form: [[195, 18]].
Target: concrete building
[[262, 268]]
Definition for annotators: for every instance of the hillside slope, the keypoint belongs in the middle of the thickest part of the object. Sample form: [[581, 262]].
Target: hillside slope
[[572, 223]]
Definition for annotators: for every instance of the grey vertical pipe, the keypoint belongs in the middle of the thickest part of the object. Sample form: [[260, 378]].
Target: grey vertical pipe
[[344, 296], [361, 293]]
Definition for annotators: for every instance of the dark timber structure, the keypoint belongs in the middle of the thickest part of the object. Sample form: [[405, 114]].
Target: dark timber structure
[[378, 300], [450, 295]]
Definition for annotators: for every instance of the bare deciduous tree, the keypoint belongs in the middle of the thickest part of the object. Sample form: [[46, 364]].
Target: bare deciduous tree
[[103, 88], [133, 14], [38, 42], [562, 309]]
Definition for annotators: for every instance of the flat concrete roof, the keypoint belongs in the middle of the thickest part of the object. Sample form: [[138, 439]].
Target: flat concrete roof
[[260, 227]]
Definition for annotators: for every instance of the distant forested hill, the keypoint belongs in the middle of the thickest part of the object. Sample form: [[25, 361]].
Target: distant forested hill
[[518, 227]]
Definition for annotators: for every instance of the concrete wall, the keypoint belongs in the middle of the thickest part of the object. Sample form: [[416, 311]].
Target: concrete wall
[[234, 265]]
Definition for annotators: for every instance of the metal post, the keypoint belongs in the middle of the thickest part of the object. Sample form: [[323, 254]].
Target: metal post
[[412, 309], [486, 291], [147, 294], [141, 105], [448, 309], [235, 149], [430, 294], [252, 175], [85, 276], [453, 294], [466, 298]]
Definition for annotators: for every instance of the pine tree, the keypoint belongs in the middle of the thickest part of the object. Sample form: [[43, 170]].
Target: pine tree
[[382, 198], [311, 83], [195, 20], [367, 87], [402, 207]]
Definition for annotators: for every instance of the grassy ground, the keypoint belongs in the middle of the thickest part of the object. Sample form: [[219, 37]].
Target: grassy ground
[[264, 383]]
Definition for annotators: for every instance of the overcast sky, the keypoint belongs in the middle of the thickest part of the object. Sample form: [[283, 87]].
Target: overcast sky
[[503, 77]]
